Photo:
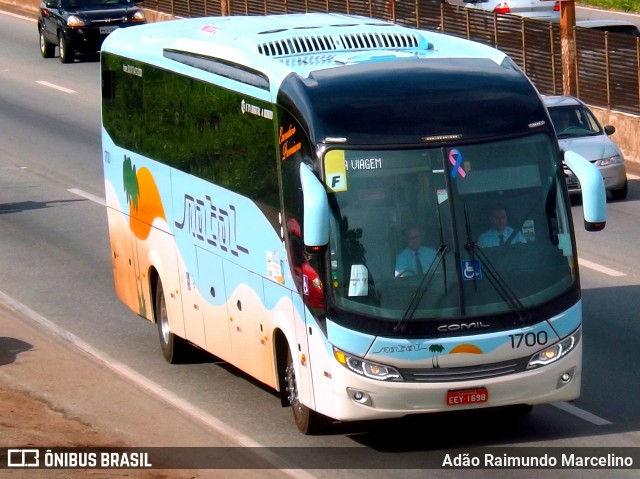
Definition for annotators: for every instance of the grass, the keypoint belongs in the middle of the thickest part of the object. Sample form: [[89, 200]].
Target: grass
[[620, 5]]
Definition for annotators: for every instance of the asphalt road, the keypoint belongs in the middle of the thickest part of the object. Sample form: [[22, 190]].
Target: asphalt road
[[55, 261], [587, 13]]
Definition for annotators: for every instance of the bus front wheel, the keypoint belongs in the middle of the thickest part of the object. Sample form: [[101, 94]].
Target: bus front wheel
[[308, 421], [173, 347]]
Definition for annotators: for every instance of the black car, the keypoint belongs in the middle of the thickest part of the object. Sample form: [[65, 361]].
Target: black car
[[80, 26]]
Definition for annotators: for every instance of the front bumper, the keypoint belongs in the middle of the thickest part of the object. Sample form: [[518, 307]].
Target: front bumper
[[359, 398], [89, 39]]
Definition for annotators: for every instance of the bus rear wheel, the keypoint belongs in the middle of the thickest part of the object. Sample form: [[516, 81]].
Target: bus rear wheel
[[174, 348], [308, 421]]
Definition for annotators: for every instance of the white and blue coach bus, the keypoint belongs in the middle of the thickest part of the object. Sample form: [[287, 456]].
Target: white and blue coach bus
[[261, 173]]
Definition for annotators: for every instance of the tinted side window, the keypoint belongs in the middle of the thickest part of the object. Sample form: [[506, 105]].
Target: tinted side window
[[194, 126]]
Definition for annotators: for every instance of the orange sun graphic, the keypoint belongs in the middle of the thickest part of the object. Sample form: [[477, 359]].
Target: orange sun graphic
[[466, 348], [148, 207]]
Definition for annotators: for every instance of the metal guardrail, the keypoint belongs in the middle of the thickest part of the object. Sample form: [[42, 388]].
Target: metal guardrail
[[607, 64]]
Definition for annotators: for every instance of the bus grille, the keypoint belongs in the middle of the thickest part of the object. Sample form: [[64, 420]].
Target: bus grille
[[468, 373], [345, 42]]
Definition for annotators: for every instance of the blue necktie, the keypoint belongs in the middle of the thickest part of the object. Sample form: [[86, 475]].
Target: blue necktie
[[419, 270]]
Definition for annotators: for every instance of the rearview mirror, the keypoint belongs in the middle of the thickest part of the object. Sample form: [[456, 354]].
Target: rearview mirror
[[594, 194], [316, 208]]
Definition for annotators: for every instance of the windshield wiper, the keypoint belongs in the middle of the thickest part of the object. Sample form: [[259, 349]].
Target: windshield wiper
[[421, 289], [498, 282], [494, 277]]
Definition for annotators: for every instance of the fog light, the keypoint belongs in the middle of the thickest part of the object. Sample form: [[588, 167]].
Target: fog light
[[565, 378], [360, 397]]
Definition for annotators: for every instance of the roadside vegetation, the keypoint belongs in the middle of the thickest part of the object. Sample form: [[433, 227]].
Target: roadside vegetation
[[621, 5]]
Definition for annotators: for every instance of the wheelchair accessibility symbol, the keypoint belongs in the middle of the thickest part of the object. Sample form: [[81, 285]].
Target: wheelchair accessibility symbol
[[471, 270]]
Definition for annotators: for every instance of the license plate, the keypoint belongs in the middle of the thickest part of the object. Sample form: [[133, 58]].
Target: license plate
[[106, 30], [459, 397]]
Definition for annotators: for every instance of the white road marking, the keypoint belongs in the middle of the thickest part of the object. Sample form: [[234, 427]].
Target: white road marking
[[581, 413], [55, 87], [599, 268], [197, 414], [15, 15], [89, 196]]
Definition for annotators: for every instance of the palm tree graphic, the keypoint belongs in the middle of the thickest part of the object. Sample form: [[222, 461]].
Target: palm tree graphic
[[435, 349], [130, 182], [132, 195]]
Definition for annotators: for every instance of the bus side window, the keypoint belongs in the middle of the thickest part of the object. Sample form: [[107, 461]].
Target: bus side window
[[296, 249], [108, 84], [305, 275]]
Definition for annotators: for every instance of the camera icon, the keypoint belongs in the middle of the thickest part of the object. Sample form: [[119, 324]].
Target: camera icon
[[23, 458]]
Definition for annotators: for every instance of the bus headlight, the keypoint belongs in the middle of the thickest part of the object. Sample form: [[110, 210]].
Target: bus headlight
[[555, 352], [366, 368]]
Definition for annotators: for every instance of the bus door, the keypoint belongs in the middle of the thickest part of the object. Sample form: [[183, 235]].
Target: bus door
[[246, 313], [214, 305], [191, 307]]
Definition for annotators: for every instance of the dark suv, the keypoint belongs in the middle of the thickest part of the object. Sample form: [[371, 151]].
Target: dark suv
[[80, 26]]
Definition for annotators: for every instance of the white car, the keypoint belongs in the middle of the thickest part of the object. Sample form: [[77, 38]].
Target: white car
[[538, 9], [579, 130]]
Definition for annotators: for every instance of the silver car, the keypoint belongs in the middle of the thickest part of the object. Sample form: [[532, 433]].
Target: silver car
[[612, 26], [539, 9], [578, 130]]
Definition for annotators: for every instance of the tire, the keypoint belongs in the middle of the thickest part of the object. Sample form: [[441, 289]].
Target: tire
[[308, 421], [67, 54], [620, 194], [47, 50], [174, 348]]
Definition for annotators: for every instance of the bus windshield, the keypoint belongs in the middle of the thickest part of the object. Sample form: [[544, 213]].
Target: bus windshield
[[489, 222]]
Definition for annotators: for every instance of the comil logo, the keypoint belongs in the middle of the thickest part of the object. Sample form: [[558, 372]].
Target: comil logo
[[23, 458]]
